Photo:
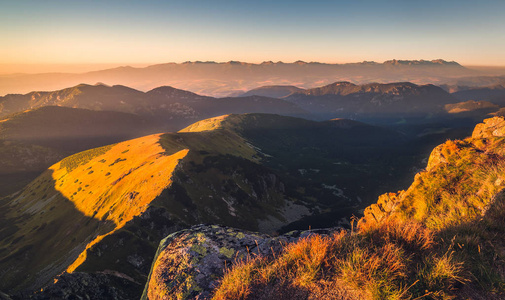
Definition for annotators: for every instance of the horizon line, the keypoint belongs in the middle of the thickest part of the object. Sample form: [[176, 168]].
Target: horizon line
[[81, 68]]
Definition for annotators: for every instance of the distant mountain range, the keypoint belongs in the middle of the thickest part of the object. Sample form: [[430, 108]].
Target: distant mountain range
[[472, 82], [373, 101], [493, 93], [223, 79], [171, 108], [393, 102]]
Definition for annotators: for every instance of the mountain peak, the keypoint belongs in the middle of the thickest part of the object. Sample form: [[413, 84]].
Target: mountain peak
[[81, 85], [236, 63], [341, 83], [300, 62], [169, 91], [273, 91], [207, 124]]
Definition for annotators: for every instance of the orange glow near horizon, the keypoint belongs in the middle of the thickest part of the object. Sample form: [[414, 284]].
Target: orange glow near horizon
[[62, 68], [7, 69], [66, 36]]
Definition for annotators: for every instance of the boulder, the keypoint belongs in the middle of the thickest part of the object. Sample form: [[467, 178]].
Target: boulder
[[189, 263]]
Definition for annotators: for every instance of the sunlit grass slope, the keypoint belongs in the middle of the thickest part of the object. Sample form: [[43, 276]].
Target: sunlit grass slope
[[207, 124], [138, 173], [77, 200], [98, 198], [443, 238]]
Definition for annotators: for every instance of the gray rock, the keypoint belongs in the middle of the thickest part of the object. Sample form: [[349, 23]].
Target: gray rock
[[190, 262]]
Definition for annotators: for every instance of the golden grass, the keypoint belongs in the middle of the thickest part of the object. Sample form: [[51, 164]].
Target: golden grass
[[458, 185], [303, 260], [443, 269], [120, 183], [207, 124], [383, 262], [412, 235], [374, 272], [236, 283], [108, 188]]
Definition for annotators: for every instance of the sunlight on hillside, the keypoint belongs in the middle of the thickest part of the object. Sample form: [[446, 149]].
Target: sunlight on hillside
[[207, 124], [119, 184], [115, 189]]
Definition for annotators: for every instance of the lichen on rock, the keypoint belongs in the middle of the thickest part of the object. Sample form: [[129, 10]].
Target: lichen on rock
[[190, 262]]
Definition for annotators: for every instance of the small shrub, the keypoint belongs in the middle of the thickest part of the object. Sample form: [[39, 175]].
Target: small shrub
[[74, 161]]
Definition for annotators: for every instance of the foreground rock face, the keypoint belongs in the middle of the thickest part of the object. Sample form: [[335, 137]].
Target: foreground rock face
[[481, 154], [190, 262], [492, 127]]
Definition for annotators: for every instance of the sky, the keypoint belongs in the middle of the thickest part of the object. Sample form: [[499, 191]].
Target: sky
[[89, 34]]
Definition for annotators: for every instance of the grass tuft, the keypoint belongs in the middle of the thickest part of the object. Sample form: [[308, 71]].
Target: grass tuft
[[236, 283]]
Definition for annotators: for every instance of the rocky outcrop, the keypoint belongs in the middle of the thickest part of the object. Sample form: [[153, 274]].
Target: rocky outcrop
[[457, 171], [492, 127], [437, 157], [385, 205], [89, 286], [190, 262]]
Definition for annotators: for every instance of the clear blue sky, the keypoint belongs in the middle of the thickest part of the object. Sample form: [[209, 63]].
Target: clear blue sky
[[155, 31]]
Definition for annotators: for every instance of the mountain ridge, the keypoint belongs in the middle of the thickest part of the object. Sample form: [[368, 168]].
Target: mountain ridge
[[237, 173], [274, 91], [170, 107], [374, 101], [221, 79]]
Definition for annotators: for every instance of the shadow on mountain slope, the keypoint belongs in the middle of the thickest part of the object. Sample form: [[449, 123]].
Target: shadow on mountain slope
[[33, 245]]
